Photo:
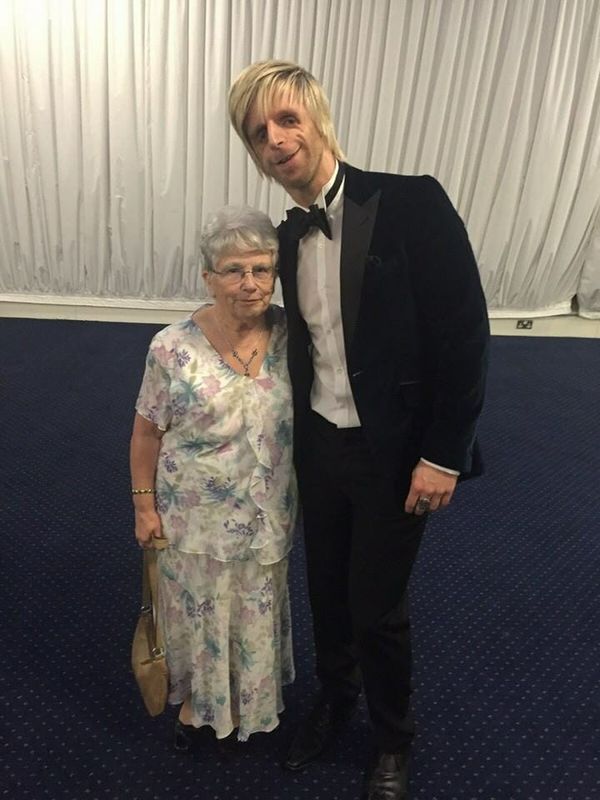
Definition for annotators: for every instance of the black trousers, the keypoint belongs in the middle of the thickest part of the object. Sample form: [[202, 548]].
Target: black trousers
[[360, 547]]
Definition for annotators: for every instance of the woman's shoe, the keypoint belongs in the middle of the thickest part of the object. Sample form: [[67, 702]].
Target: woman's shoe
[[184, 736]]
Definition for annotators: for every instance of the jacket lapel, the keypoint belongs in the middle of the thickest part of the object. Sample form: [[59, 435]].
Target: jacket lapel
[[288, 266], [357, 232]]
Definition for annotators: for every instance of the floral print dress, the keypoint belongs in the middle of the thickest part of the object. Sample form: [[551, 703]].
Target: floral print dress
[[226, 494]]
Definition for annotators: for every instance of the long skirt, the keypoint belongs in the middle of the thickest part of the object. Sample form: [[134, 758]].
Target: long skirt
[[227, 630]]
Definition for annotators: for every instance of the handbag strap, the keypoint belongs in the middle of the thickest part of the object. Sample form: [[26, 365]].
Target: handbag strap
[[150, 594]]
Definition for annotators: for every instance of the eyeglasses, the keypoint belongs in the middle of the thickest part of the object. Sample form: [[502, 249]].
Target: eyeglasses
[[232, 275]]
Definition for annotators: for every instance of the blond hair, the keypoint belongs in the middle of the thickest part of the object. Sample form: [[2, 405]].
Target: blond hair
[[262, 82]]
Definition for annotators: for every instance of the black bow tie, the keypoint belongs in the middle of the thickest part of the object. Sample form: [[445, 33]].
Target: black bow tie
[[299, 222]]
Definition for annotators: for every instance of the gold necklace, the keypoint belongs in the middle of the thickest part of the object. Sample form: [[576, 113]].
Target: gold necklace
[[245, 364]]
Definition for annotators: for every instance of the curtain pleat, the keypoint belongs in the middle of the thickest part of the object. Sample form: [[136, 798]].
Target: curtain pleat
[[115, 142]]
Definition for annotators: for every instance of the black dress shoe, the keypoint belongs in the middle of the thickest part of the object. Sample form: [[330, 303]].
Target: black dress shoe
[[388, 779], [318, 731], [185, 736]]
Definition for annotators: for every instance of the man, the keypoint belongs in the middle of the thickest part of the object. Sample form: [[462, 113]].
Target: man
[[388, 337]]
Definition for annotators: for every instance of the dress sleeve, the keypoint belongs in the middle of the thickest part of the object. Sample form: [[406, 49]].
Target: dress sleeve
[[154, 399]]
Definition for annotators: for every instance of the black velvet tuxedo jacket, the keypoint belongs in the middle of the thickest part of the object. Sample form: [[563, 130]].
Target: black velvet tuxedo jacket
[[415, 323]]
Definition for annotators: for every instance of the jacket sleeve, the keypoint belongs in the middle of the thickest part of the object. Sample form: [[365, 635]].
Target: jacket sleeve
[[455, 328]]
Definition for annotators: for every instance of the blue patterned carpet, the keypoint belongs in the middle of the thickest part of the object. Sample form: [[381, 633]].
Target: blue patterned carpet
[[506, 608]]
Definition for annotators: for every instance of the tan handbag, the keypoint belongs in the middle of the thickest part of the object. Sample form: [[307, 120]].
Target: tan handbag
[[147, 651]]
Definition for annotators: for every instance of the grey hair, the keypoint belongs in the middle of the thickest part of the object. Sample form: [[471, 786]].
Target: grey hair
[[237, 229]]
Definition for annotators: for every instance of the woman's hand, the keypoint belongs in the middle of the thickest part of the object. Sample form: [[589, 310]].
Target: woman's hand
[[145, 446], [147, 526]]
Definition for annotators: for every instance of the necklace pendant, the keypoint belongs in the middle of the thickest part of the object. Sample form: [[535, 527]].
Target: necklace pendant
[[245, 365]]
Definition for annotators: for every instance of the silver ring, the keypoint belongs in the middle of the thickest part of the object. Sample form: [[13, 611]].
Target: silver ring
[[423, 503]]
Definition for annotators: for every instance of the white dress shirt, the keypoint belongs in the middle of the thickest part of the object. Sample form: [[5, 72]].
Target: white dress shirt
[[320, 305]]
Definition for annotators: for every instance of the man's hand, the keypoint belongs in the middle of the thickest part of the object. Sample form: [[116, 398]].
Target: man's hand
[[429, 483]]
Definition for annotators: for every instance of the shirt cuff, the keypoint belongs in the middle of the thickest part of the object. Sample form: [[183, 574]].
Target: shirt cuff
[[442, 469]]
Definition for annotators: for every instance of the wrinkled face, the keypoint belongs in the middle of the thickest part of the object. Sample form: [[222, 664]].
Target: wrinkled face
[[242, 285], [289, 147]]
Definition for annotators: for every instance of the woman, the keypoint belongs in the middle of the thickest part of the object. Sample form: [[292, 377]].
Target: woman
[[211, 468]]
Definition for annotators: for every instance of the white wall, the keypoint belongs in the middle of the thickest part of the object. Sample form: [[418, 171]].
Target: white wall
[[115, 141]]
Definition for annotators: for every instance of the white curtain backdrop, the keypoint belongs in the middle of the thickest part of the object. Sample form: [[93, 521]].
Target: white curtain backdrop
[[115, 142]]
